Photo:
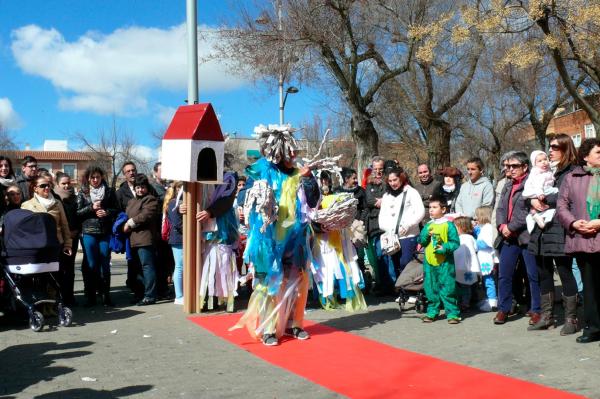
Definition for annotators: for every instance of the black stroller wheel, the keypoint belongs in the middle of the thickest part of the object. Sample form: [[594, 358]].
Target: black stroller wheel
[[65, 317], [36, 321]]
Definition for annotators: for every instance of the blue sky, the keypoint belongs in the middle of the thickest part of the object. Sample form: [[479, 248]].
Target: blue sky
[[70, 66]]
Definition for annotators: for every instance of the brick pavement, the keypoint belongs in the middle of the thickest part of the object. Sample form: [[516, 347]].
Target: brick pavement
[[155, 352]]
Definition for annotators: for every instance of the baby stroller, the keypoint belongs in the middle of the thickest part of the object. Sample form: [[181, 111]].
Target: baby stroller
[[30, 255], [410, 284]]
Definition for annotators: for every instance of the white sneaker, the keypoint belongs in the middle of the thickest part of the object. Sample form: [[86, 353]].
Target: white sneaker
[[397, 300], [178, 301], [412, 299], [485, 306]]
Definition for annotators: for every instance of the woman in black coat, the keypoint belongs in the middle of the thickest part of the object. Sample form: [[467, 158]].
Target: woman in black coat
[[450, 186], [97, 208], [548, 244]]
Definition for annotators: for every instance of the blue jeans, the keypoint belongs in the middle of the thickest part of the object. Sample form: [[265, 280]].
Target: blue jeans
[[509, 255], [577, 275], [490, 286], [147, 258], [178, 271], [398, 261], [97, 252], [464, 294]]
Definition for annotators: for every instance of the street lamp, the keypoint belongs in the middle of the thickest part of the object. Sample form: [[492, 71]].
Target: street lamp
[[264, 19], [289, 90]]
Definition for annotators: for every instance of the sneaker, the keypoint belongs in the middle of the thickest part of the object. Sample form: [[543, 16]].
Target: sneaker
[[454, 320], [412, 299], [298, 333], [397, 300], [178, 301], [485, 306], [146, 301], [427, 319], [270, 340]]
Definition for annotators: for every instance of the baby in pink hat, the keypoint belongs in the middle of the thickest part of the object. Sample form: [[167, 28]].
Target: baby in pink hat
[[538, 185]]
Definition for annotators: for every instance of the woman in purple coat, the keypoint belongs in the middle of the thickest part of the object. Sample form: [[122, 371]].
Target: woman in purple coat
[[578, 209]]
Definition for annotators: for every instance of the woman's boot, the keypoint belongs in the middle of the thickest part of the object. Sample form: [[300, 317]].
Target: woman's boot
[[546, 320], [106, 301], [89, 284], [570, 305]]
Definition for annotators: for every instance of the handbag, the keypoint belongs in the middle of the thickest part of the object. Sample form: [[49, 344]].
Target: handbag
[[165, 230], [390, 242]]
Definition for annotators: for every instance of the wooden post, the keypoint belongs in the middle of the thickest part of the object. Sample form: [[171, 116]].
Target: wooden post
[[197, 240], [189, 249]]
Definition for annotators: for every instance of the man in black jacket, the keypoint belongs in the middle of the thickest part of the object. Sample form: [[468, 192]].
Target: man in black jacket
[[29, 171], [374, 193]]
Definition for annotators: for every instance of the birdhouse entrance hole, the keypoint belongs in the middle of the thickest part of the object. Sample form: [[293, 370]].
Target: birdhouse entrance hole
[[207, 165]]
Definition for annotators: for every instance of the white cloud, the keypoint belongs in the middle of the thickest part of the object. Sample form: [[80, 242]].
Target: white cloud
[[113, 73], [165, 114], [144, 152], [9, 118]]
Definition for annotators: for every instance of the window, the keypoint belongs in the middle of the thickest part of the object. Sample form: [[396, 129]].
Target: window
[[576, 140], [590, 131], [70, 169], [45, 165]]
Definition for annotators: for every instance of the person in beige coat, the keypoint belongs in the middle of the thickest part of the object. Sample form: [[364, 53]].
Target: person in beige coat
[[44, 201]]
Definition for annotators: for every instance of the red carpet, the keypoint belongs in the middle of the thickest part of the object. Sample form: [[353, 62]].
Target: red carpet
[[362, 368]]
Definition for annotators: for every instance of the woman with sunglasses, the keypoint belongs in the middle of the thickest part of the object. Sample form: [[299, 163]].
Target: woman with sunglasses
[[548, 244], [513, 240], [578, 209], [43, 201]]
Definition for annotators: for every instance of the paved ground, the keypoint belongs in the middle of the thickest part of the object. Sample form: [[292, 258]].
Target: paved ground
[[154, 352]]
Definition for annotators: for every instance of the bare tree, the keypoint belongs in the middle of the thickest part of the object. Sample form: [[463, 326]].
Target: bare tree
[[235, 157], [6, 139], [494, 121], [354, 46], [423, 50], [569, 33], [111, 147]]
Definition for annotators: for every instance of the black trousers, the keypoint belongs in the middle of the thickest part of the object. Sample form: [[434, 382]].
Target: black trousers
[[66, 273], [564, 266], [589, 265]]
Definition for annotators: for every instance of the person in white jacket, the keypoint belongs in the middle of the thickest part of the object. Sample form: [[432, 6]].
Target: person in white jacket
[[401, 212]]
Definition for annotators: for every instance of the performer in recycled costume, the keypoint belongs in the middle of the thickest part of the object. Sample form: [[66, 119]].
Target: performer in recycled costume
[[276, 209], [334, 260], [220, 236]]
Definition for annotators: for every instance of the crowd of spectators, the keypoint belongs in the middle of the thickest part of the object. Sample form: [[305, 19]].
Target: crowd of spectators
[[487, 246]]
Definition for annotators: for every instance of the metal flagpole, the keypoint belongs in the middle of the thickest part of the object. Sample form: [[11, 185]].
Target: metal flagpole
[[190, 226]]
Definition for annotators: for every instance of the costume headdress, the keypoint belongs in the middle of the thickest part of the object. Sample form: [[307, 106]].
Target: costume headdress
[[276, 142]]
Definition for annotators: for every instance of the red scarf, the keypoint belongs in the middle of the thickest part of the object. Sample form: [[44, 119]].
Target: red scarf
[[517, 183]]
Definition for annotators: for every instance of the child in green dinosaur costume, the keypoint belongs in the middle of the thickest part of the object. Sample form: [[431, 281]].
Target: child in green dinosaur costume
[[440, 239]]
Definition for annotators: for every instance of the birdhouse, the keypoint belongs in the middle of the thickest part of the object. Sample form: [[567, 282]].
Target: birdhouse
[[193, 146]]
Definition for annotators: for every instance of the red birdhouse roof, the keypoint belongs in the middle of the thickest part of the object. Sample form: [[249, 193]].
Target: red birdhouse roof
[[196, 122]]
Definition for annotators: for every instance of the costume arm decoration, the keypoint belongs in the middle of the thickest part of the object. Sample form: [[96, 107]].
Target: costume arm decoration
[[262, 199]]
